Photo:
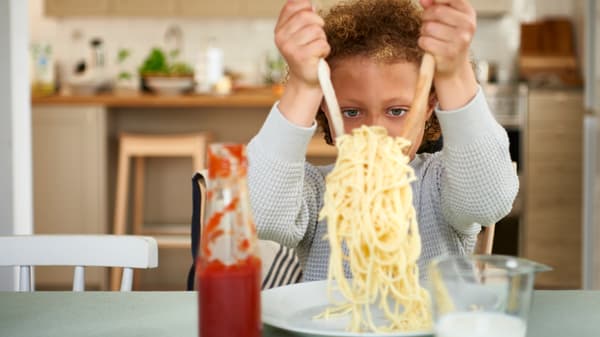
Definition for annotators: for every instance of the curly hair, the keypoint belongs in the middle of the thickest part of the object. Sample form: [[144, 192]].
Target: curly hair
[[383, 30]]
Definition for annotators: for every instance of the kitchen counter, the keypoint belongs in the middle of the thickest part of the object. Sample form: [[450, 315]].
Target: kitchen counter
[[506, 102], [247, 98]]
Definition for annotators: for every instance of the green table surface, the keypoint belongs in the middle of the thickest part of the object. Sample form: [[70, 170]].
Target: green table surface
[[161, 314]]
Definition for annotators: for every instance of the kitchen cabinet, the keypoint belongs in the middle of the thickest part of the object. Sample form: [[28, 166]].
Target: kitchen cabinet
[[212, 9], [69, 181], [110, 8], [552, 185], [143, 7], [76, 7], [264, 8], [271, 8]]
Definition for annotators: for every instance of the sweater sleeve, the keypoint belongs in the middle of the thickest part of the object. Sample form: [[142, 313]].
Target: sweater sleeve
[[478, 182], [285, 191]]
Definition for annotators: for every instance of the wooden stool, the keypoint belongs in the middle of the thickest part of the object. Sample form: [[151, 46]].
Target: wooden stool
[[139, 146], [485, 240]]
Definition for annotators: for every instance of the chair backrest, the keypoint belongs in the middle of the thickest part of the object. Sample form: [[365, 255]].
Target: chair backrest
[[199, 191], [26, 251]]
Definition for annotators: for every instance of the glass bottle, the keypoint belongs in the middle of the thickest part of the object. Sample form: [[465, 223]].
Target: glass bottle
[[215, 68], [228, 263]]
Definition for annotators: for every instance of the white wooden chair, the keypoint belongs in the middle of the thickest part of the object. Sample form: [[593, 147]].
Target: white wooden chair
[[79, 251]]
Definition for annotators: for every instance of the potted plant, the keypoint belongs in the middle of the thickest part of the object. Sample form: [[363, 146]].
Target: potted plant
[[166, 75]]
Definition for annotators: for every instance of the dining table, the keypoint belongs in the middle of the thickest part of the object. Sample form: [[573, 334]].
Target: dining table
[[554, 313]]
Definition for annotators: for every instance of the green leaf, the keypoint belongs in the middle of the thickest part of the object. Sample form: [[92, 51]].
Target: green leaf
[[156, 62], [181, 68], [174, 53], [123, 54], [124, 75]]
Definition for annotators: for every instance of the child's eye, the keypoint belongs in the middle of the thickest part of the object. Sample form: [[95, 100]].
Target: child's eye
[[397, 112], [351, 113]]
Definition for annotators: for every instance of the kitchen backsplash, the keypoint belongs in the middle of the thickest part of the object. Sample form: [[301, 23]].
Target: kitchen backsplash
[[245, 42]]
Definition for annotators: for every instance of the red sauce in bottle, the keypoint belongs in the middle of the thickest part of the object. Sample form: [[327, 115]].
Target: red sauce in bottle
[[228, 295], [229, 301]]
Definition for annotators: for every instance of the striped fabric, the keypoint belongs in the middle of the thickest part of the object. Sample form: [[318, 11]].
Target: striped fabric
[[285, 269]]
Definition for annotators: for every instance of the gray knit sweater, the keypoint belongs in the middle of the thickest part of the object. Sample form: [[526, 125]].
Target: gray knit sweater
[[470, 182]]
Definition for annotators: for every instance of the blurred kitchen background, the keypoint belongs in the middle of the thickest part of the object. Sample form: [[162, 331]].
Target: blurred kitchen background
[[102, 69]]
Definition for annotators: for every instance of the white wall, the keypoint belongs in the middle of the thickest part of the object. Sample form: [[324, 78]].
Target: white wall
[[497, 41], [15, 127], [597, 61], [245, 41]]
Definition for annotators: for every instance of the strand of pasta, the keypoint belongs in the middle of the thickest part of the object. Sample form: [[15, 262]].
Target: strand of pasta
[[372, 228]]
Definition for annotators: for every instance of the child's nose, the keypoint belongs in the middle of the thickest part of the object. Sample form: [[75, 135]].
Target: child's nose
[[377, 120]]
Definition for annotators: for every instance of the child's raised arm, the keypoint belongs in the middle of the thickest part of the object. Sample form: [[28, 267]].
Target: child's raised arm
[[447, 31], [285, 194], [301, 40], [478, 182]]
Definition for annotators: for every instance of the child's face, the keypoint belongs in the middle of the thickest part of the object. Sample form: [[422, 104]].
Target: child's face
[[374, 93]]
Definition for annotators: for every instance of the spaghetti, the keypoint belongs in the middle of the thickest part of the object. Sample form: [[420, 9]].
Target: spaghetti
[[372, 228]]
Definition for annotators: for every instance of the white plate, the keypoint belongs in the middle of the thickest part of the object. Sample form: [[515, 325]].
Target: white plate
[[293, 308]]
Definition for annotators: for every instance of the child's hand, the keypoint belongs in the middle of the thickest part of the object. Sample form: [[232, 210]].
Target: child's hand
[[300, 37], [447, 31]]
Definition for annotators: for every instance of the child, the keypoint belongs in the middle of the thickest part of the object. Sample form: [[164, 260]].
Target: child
[[374, 48]]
